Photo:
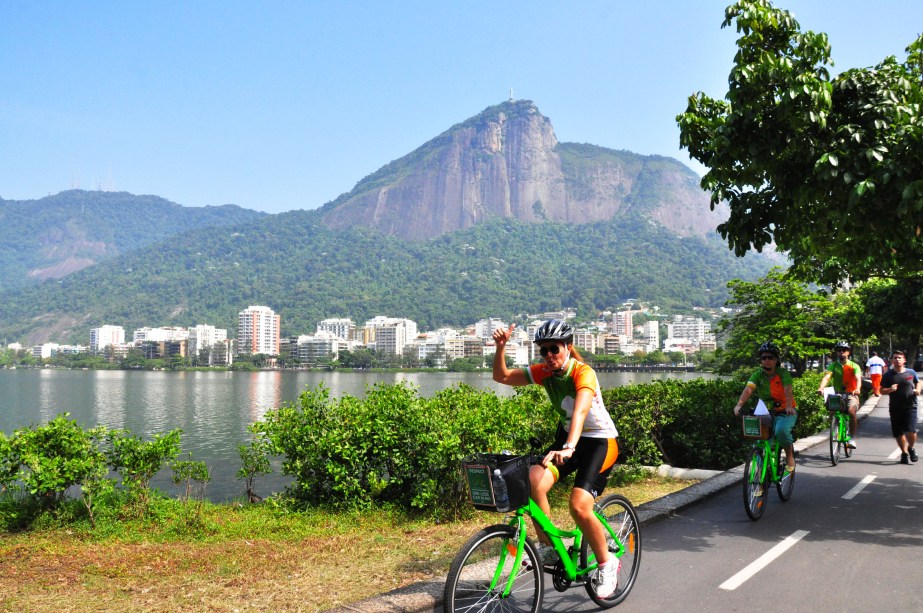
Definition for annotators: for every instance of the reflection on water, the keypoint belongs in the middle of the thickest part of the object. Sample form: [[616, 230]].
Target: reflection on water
[[265, 393], [213, 409]]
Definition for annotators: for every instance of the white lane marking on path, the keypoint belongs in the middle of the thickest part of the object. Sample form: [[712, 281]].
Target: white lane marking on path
[[895, 454], [763, 561], [859, 487]]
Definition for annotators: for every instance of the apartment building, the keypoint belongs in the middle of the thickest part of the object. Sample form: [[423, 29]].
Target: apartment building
[[159, 335], [390, 334], [258, 331], [340, 327], [464, 347], [203, 337], [650, 334], [391, 339], [586, 340], [105, 336], [622, 323], [485, 327], [685, 326], [318, 347]]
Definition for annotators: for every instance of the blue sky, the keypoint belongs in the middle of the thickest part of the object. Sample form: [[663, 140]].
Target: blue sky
[[285, 105]]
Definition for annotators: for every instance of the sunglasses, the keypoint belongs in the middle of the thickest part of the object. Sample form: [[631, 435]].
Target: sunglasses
[[767, 357], [552, 349], [842, 350]]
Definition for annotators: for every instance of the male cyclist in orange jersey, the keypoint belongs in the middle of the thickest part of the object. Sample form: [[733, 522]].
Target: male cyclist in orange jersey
[[846, 377]]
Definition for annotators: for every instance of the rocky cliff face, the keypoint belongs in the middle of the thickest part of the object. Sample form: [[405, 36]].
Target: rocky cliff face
[[507, 162]]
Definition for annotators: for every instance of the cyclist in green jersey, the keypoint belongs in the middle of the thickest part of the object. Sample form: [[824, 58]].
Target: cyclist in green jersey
[[846, 377], [773, 385]]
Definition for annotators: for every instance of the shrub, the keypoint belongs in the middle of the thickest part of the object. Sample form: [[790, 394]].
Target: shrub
[[254, 460], [58, 455], [395, 447], [138, 461]]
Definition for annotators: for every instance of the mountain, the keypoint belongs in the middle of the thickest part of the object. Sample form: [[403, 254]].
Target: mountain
[[506, 162], [571, 225], [307, 272], [55, 236]]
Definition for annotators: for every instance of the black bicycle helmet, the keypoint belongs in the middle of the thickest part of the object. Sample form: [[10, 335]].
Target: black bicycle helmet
[[769, 347], [842, 345], [554, 330]]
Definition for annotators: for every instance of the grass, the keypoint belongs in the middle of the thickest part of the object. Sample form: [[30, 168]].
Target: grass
[[237, 558]]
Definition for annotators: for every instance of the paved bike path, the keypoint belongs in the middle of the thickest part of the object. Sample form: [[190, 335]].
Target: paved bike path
[[427, 595]]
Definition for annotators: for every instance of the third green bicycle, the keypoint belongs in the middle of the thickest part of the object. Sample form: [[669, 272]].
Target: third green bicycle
[[838, 406]]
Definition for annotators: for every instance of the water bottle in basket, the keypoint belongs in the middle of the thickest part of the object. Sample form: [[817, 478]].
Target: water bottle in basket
[[501, 495]]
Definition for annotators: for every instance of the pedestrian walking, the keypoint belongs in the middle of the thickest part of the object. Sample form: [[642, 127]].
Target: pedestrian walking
[[875, 367]]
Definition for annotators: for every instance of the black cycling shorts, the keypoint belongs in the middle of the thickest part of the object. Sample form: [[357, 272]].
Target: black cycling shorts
[[592, 460]]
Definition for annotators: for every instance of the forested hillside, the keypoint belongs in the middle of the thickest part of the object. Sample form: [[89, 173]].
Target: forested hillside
[[55, 236], [307, 272]]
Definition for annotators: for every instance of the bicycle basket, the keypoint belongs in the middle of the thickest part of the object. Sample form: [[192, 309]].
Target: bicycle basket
[[837, 403], [757, 427], [478, 470]]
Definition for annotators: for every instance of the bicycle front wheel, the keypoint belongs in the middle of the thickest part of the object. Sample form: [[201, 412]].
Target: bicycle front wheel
[[621, 517], [844, 434], [754, 490], [835, 445], [481, 570], [786, 482]]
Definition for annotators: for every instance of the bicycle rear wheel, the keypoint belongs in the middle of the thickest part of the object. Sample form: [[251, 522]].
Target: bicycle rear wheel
[[835, 445], [621, 517], [786, 482], [481, 568], [754, 490]]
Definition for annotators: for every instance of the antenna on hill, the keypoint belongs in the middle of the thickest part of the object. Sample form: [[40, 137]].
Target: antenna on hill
[[109, 184], [511, 94], [75, 177]]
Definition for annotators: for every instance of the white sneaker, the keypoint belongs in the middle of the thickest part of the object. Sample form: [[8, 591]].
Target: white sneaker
[[607, 578], [851, 443]]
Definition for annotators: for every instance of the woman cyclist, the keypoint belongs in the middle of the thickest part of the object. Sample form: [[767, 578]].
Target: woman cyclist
[[585, 442], [773, 385]]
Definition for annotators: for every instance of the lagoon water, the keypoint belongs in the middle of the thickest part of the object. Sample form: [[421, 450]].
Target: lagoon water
[[212, 408]]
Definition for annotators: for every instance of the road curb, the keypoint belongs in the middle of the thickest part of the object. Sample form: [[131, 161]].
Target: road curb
[[427, 595]]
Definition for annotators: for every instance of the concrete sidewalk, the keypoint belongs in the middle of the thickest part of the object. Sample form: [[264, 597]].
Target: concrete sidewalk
[[427, 595]]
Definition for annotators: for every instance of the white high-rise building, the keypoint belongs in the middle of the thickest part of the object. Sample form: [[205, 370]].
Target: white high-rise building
[[159, 335], [204, 337], [650, 332], [342, 328], [391, 339], [692, 328], [324, 345], [485, 328], [390, 334], [258, 331], [102, 337]]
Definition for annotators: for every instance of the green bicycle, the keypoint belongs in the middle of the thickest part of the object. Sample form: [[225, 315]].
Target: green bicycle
[[838, 406], [765, 465], [499, 568]]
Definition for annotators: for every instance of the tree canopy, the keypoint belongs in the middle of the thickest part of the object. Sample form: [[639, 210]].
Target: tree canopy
[[830, 169], [802, 322]]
